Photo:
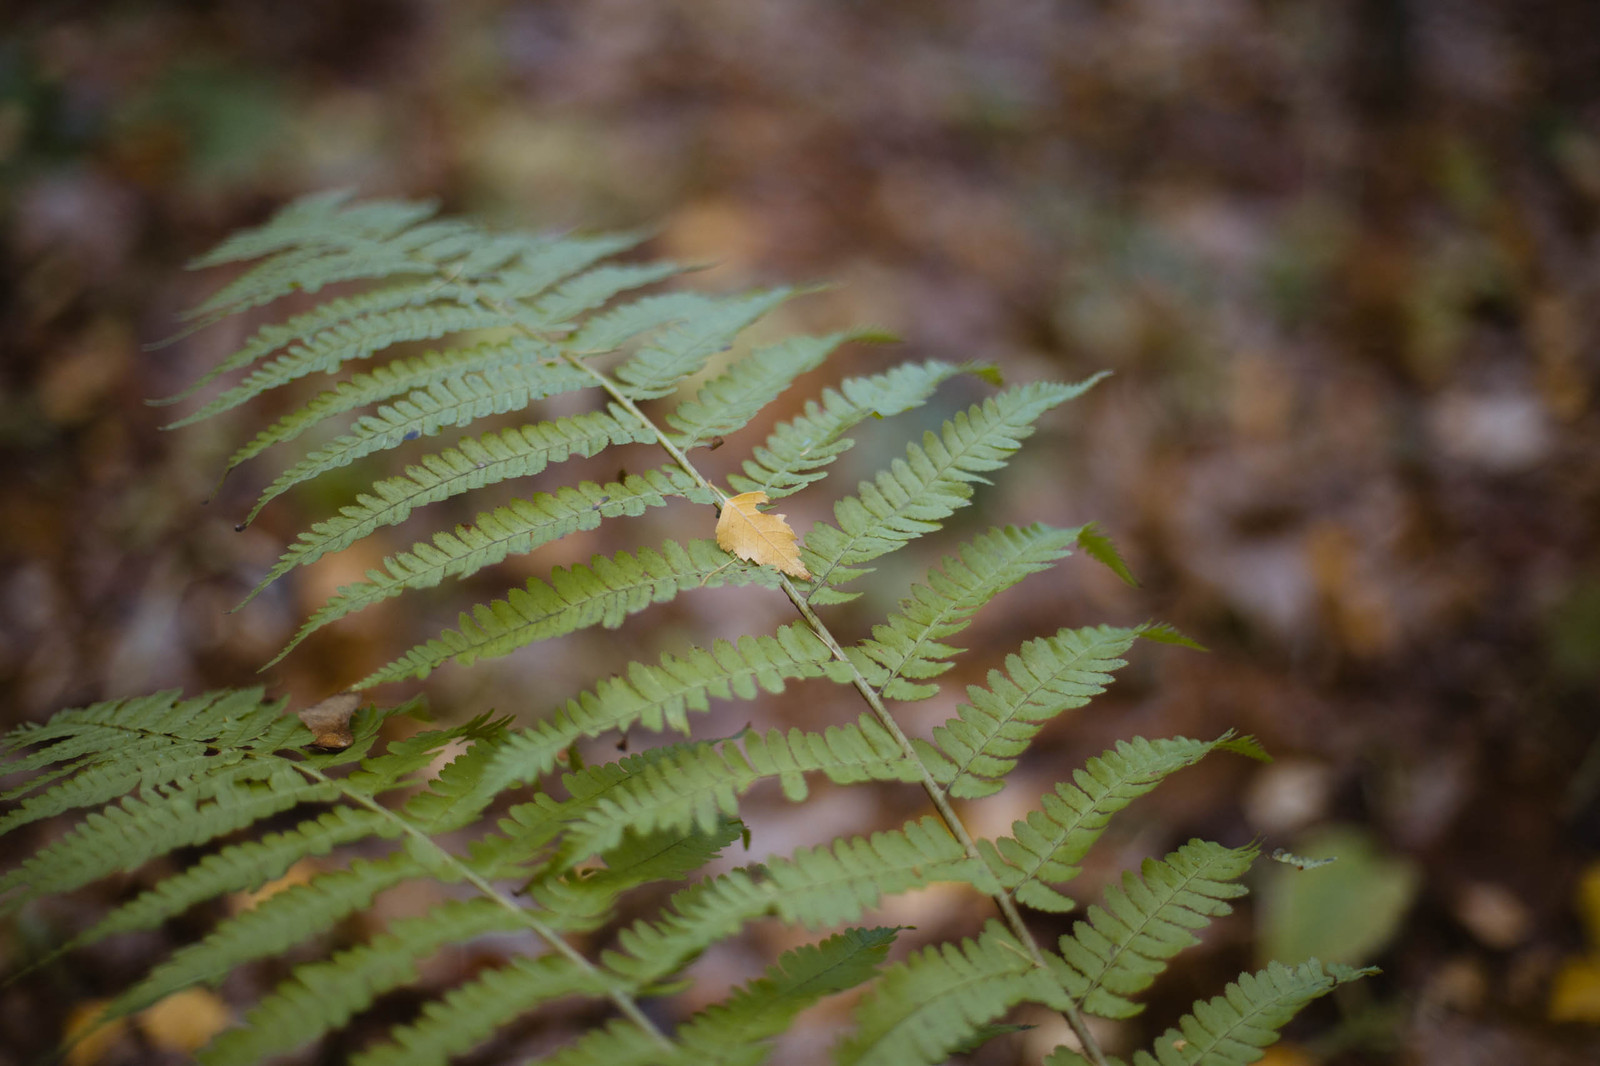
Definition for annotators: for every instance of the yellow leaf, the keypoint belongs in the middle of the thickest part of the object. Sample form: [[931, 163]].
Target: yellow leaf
[[765, 539], [92, 1044], [185, 1021], [1575, 993], [300, 873]]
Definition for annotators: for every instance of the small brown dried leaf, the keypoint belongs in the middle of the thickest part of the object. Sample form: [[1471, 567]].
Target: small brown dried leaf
[[765, 539], [329, 721]]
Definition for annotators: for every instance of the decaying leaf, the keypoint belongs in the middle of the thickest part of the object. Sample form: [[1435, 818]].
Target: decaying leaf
[[329, 721], [765, 539], [185, 1021]]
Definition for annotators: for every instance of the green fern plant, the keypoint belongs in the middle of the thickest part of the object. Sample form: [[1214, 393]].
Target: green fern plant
[[533, 843]]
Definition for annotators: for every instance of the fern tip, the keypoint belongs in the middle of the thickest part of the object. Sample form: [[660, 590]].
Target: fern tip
[[1166, 633]]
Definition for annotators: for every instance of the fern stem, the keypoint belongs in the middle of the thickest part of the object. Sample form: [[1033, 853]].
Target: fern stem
[[616, 992], [936, 794], [947, 813]]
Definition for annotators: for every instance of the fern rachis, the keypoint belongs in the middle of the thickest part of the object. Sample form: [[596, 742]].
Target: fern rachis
[[529, 840]]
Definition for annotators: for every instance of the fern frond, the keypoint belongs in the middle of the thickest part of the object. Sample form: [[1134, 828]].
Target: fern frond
[[659, 697], [342, 255], [270, 928], [732, 1031], [698, 916], [358, 339], [315, 219], [158, 741], [321, 996], [230, 793], [474, 462], [518, 527], [456, 401], [620, 1043], [470, 1013], [407, 375], [1233, 1028], [797, 450], [238, 867], [685, 786], [1119, 951], [909, 644], [325, 320], [935, 1001], [584, 899], [838, 882], [658, 367], [1046, 846], [1044, 677], [602, 593], [934, 480], [728, 401]]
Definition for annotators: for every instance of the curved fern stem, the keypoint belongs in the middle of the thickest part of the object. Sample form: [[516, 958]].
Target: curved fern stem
[[947, 813], [421, 843]]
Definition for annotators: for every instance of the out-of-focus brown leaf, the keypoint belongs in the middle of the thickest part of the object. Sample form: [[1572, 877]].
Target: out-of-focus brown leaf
[[329, 721], [185, 1021], [98, 1043], [765, 539]]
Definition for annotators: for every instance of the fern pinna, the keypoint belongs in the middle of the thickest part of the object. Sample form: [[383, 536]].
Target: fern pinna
[[532, 843]]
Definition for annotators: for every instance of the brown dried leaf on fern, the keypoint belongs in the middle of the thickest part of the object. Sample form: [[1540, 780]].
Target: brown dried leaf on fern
[[765, 539]]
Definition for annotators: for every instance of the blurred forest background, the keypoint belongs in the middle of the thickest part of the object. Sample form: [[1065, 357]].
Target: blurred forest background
[[1341, 255]]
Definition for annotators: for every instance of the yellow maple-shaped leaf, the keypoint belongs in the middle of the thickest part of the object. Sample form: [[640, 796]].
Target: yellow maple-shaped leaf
[[765, 539]]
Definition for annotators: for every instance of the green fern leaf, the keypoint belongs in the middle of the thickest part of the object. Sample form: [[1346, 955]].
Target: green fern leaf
[[320, 321], [239, 867], [684, 786], [1098, 546], [343, 256], [797, 450], [474, 462], [728, 401], [1232, 1029], [732, 1031], [470, 1013], [520, 526], [610, 330], [698, 916], [602, 593], [129, 834], [454, 402], [407, 375], [350, 341], [659, 697], [925, 1007], [349, 328], [1047, 845], [321, 996], [838, 882], [272, 927], [1124, 945], [908, 645], [158, 741], [658, 367], [310, 219], [1044, 677], [584, 292], [584, 899], [621, 1043], [934, 480]]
